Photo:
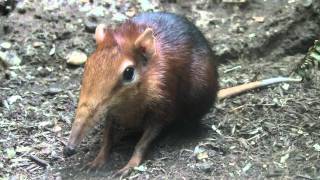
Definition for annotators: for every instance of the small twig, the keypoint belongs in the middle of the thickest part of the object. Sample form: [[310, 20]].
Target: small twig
[[39, 161], [237, 108], [303, 176], [232, 69], [4, 88], [315, 133]]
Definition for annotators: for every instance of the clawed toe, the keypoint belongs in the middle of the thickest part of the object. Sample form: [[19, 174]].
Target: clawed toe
[[124, 172]]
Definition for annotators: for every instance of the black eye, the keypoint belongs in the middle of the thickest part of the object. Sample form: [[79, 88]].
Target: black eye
[[128, 74]]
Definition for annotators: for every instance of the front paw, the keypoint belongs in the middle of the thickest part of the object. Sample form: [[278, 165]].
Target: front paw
[[124, 172]]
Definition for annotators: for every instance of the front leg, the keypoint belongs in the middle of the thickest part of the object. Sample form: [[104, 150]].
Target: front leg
[[104, 151], [149, 134]]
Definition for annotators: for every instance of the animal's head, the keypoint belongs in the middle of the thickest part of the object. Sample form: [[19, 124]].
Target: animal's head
[[112, 77]]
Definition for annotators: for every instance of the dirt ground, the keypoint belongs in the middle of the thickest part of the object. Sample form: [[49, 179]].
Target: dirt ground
[[268, 133]]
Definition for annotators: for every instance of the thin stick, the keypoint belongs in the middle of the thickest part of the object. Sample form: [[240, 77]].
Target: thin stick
[[39, 161]]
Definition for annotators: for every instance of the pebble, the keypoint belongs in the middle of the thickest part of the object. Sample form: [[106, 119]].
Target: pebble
[[21, 7], [90, 24], [98, 11], [63, 35], [30, 50], [46, 124], [205, 166], [259, 19], [70, 27], [52, 50], [146, 5], [131, 12], [76, 58], [5, 45], [56, 128], [11, 74], [13, 99], [43, 72], [285, 86], [10, 58], [119, 17], [6, 104], [53, 90], [307, 3], [37, 44]]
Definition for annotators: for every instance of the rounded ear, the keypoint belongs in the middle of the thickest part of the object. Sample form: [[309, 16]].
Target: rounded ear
[[100, 33], [146, 42]]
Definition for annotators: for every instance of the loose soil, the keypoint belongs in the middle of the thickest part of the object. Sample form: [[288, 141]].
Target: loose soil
[[267, 133]]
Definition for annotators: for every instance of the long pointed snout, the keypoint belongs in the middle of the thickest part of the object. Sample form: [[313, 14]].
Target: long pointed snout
[[86, 118], [78, 132]]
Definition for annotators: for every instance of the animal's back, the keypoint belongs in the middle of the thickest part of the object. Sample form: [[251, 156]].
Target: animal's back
[[190, 73], [173, 32]]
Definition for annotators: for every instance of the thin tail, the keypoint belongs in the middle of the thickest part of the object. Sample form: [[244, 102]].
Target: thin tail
[[232, 91]]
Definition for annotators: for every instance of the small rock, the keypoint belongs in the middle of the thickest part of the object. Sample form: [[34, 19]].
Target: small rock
[[90, 24], [5, 104], [131, 12], [119, 17], [316, 147], [53, 5], [202, 156], [46, 150], [11, 74], [140, 168], [56, 128], [78, 42], [246, 167], [70, 27], [5, 45], [11, 153], [46, 124], [63, 35], [52, 50], [98, 11], [200, 153], [53, 91], [76, 58], [37, 44], [252, 35], [13, 99], [21, 7], [10, 58], [30, 51], [54, 155], [146, 5], [205, 166], [43, 72], [259, 19], [285, 86], [307, 3]]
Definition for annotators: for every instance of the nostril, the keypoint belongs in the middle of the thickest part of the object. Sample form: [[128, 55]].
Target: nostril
[[68, 151]]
